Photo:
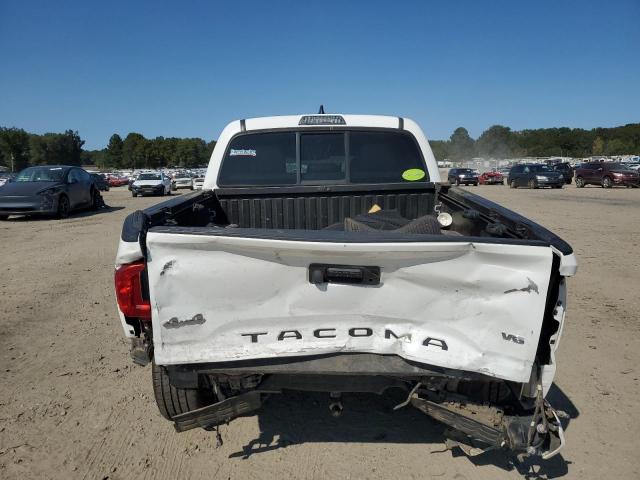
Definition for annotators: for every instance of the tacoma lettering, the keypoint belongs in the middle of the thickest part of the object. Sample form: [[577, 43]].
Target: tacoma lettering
[[354, 332]]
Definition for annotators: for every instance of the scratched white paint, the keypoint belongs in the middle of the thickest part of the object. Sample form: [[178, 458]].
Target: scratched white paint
[[448, 291]]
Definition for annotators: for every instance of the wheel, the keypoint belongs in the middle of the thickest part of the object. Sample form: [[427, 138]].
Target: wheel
[[579, 182], [533, 184], [606, 182], [95, 199], [3, 217], [457, 182], [513, 184], [172, 400], [63, 207], [475, 184]]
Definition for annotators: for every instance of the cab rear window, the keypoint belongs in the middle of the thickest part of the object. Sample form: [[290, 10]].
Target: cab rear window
[[322, 157]]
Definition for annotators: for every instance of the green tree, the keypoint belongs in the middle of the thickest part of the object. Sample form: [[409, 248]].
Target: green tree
[[440, 149], [14, 145], [461, 145], [597, 148], [130, 150], [497, 142], [113, 153]]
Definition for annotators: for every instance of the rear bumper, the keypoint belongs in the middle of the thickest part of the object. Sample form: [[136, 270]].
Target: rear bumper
[[349, 364]]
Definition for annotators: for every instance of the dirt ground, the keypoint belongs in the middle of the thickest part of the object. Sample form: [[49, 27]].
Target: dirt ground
[[72, 404]]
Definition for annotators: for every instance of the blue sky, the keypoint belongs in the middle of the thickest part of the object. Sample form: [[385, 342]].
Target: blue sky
[[188, 68]]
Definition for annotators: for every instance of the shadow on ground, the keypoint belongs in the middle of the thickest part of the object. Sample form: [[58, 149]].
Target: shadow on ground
[[295, 418]]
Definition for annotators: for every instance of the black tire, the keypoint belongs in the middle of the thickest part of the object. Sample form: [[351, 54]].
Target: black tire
[[63, 207], [533, 184], [475, 184], [95, 199], [173, 401], [3, 217], [513, 184], [606, 182], [580, 182]]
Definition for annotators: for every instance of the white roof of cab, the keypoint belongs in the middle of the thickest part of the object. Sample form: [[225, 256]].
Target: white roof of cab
[[293, 121]]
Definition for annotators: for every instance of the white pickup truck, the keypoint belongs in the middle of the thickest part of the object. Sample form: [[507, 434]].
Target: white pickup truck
[[325, 254]]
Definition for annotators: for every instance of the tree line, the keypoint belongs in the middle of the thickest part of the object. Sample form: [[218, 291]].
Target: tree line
[[501, 142], [136, 151], [19, 149]]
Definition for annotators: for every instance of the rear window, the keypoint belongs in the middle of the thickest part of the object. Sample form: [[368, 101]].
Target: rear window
[[322, 157]]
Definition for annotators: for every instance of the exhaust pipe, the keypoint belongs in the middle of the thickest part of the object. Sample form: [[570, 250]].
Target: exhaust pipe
[[335, 406]]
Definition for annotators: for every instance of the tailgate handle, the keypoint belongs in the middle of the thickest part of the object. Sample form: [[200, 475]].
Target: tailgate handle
[[346, 274]]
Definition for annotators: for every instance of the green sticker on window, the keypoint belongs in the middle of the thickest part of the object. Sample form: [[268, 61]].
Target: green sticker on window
[[413, 174]]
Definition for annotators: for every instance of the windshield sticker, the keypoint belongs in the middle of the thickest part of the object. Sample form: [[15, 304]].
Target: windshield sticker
[[413, 174], [243, 152]]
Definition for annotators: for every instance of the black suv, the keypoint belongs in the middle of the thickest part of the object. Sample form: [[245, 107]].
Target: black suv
[[565, 169], [459, 176], [534, 176], [100, 182]]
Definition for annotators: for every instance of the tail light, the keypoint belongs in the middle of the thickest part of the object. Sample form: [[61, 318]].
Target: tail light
[[129, 291]]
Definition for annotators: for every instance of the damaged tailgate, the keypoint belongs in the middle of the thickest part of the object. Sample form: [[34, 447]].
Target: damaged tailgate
[[462, 305]]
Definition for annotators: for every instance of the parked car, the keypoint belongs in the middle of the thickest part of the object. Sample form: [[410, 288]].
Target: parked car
[[319, 256], [198, 182], [534, 176], [607, 175], [151, 184], [463, 176], [116, 180], [48, 190], [101, 182], [491, 178], [565, 169], [6, 177], [183, 180]]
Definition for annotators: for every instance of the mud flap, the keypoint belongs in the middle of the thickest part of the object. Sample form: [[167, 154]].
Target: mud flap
[[219, 413]]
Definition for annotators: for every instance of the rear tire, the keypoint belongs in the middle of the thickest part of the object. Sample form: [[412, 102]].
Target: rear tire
[[606, 182], [95, 199], [533, 184], [579, 182], [173, 401]]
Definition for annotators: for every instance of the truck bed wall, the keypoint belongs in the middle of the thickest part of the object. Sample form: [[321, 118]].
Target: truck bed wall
[[315, 211]]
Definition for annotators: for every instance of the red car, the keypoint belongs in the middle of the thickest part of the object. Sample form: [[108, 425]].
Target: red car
[[117, 181], [491, 178]]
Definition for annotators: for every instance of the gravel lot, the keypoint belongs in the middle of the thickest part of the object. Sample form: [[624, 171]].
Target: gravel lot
[[72, 405]]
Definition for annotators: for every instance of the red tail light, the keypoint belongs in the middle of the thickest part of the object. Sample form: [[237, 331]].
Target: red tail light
[[129, 291]]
